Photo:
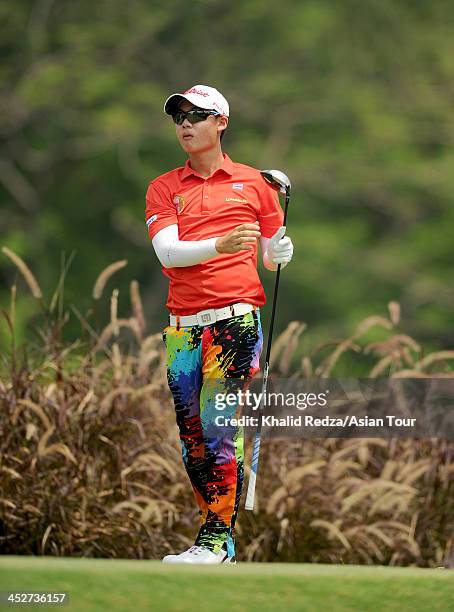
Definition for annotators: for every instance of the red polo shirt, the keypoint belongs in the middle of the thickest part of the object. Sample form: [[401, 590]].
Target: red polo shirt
[[205, 208]]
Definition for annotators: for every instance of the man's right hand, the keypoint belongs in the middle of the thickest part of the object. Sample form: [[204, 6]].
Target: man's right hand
[[239, 239]]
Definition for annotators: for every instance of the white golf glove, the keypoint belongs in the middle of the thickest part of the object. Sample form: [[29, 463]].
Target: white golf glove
[[280, 247]]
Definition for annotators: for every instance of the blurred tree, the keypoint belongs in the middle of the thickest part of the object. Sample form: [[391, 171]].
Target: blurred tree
[[353, 101]]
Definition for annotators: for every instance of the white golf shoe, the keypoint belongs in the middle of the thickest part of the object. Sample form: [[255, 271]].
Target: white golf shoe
[[200, 555]]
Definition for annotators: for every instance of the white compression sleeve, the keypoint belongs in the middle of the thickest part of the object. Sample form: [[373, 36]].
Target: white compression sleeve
[[175, 253], [269, 265]]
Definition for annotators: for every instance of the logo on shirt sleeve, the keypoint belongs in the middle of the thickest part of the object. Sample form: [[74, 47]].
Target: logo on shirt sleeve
[[179, 202], [151, 220]]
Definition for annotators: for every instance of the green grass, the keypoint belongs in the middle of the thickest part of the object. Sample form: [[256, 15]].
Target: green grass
[[124, 585]]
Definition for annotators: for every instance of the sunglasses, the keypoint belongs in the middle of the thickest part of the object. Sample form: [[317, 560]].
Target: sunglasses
[[193, 115]]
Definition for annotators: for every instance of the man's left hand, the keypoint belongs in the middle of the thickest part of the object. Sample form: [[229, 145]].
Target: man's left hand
[[280, 247]]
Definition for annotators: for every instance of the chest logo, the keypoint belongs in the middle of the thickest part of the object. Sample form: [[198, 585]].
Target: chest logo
[[238, 186], [179, 202], [236, 200]]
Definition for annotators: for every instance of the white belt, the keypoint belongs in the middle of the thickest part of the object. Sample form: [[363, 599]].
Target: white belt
[[211, 315]]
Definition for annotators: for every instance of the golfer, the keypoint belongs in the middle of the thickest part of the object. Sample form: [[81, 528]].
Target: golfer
[[205, 221]]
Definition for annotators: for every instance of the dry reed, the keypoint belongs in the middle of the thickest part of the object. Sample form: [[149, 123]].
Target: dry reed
[[90, 461]]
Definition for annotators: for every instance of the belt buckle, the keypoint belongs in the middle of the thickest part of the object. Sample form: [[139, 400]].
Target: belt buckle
[[205, 317]]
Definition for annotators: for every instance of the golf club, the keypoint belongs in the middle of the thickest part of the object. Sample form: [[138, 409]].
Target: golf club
[[279, 181]]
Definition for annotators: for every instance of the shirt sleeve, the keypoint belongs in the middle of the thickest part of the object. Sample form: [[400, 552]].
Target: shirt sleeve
[[271, 215], [174, 253], [159, 211]]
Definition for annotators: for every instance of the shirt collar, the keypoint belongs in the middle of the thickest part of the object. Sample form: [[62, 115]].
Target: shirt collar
[[227, 167]]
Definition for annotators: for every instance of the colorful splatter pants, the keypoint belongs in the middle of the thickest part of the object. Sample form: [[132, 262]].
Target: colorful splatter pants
[[202, 362]]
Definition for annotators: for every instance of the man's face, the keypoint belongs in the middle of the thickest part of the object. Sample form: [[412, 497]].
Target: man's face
[[201, 136]]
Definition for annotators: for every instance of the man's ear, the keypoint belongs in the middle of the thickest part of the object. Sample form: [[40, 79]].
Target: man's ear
[[222, 123]]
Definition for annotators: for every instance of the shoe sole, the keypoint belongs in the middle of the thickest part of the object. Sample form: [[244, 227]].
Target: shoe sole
[[192, 563]]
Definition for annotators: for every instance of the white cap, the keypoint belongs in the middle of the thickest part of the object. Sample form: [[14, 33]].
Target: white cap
[[202, 96]]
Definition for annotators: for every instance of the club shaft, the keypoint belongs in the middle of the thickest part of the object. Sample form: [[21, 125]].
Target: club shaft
[[250, 495]]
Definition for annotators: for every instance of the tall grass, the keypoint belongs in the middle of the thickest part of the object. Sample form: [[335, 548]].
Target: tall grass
[[90, 461]]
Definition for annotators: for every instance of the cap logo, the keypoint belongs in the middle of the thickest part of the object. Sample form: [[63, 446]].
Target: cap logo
[[199, 92]]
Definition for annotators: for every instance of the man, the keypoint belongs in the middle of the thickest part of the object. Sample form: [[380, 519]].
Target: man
[[204, 220]]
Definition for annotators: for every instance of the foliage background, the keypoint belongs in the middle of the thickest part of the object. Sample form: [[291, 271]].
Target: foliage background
[[354, 101], [90, 459]]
